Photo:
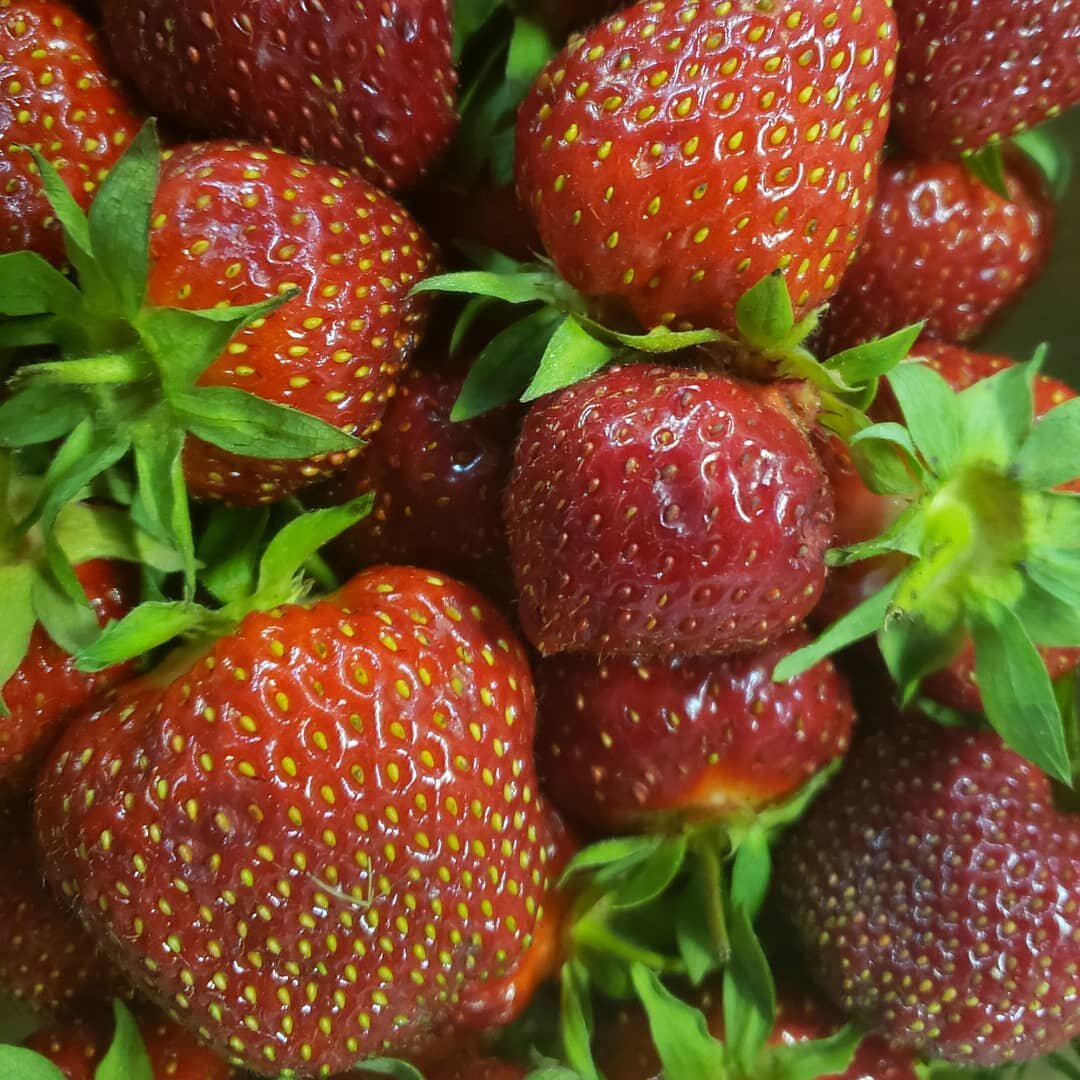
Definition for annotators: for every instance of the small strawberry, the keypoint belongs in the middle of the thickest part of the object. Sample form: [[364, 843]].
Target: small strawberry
[[58, 99], [680, 151], [318, 838], [981, 70], [942, 248], [623, 742], [369, 87], [934, 888], [659, 510]]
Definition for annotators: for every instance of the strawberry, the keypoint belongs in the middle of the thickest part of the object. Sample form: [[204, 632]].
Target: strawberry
[[367, 87], [680, 151], [657, 510], [942, 248], [624, 742], [934, 888], [47, 960], [59, 99], [438, 486], [318, 838], [981, 70], [478, 1069]]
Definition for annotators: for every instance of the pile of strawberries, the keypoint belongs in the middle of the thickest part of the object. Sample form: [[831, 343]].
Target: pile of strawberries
[[510, 563]]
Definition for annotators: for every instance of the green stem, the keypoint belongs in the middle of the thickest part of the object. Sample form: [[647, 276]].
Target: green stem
[[592, 932], [714, 897], [108, 369]]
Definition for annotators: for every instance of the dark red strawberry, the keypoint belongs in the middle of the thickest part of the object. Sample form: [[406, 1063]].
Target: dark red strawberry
[[478, 1069], [934, 888], [46, 687], [367, 87], [58, 99], [623, 742], [980, 70], [438, 487], [47, 960], [319, 839], [658, 510], [679, 152], [942, 248]]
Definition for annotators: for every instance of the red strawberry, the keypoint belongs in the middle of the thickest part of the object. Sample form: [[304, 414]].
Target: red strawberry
[[478, 1069], [935, 889], [46, 687], [979, 70], [660, 510], [59, 100], [681, 151], [623, 741], [370, 87], [941, 247], [438, 486], [320, 839], [47, 960], [77, 1048]]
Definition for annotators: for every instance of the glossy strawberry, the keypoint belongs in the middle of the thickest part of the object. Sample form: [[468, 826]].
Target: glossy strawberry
[[369, 87], [942, 248], [320, 839], [625, 741], [47, 960], [46, 688], [237, 223], [934, 888], [979, 70], [680, 151], [60, 100], [438, 486], [661, 510]]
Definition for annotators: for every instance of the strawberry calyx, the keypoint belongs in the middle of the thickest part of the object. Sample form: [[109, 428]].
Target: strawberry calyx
[[991, 544], [562, 339], [125, 380]]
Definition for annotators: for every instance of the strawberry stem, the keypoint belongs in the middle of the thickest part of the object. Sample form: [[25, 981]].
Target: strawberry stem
[[108, 369]]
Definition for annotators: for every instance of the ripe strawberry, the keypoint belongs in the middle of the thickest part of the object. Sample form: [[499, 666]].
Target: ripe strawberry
[[438, 487], [78, 1047], [47, 688], [680, 151], [47, 960], [982, 70], [625, 741], [320, 839], [58, 99], [942, 248], [934, 888], [368, 87], [661, 510]]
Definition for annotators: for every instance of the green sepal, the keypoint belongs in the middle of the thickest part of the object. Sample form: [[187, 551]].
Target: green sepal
[[996, 414], [525, 286], [987, 165], [26, 332], [31, 286], [229, 551], [653, 876], [577, 1019], [72, 219], [764, 313], [1050, 154], [1049, 620], [700, 923], [126, 1058], [16, 587], [148, 627], [571, 355], [393, 1067], [18, 1063], [1051, 454], [613, 856], [831, 1056], [863, 365], [68, 620], [932, 413], [38, 413], [902, 536], [660, 341], [913, 649], [102, 532], [887, 459]]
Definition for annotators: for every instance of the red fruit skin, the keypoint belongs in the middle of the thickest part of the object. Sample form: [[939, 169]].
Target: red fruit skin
[[316, 827], [237, 223], [46, 688], [941, 247], [670, 164], [438, 487], [367, 87], [47, 960], [934, 888], [978, 70], [77, 1048], [624, 743], [478, 1069], [59, 99], [658, 510]]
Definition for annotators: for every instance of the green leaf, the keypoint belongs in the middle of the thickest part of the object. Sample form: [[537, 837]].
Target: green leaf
[[1050, 154], [69, 214], [679, 1031], [506, 367], [1048, 620], [653, 876], [996, 414], [530, 49], [1051, 455], [100, 532], [1057, 572], [38, 412], [577, 1019], [932, 413], [246, 424], [148, 627], [31, 286], [28, 331], [572, 354], [119, 219], [16, 587], [764, 314], [161, 504], [773, 818], [229, 551], [126, 1058], [17, 1063], [71, 623], [988, 166], [522, 287], [470, 313], [695, 939], [617, 851], [659, 341], [913, 649], [399, 1070], [865, 363], [749, 993], [750, 871], [831, 1056], [903, 535], [469, 17], [1016, 690]]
